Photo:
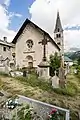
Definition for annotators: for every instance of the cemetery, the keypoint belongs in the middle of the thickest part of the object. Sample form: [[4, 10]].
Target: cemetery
[[51, 83], [49, 92]]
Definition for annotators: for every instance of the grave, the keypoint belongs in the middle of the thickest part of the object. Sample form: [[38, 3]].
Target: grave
[[43, 109], [5, 65], [55, 81], [16, 73], [44, 65]]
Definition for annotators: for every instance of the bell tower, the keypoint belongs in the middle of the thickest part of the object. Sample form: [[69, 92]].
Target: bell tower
[[58, 36]]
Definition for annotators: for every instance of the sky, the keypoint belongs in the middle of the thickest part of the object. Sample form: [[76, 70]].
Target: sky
[[43, 13]]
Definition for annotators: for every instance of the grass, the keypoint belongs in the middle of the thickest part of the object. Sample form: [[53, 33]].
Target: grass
[[33, 81], [4, 74], [67, 97], [70, 90]]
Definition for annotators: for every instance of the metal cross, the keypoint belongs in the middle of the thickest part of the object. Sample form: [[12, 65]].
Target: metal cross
[[44, 43]]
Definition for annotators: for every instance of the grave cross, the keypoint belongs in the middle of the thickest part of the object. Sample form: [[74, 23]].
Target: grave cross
[[44, 43], [55, 72]]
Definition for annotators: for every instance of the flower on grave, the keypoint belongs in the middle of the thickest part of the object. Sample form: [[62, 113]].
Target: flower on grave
[[12, 103], [53, 111], [53, 115]]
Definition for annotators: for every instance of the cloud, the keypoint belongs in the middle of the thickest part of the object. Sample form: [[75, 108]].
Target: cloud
[[18, 15], [5, 20], [43, 13], [5, 2], [12, 14], [72, 39]]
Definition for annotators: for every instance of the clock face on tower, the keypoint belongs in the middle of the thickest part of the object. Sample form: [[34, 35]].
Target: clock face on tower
[[29, 43]]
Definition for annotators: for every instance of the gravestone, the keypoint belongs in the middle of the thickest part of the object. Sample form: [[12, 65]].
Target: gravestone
[[67, 68], [24, 73], [61, 77], [55, 81]]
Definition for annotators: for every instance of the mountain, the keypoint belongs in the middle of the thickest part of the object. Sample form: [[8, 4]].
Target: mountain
[[73, 55]]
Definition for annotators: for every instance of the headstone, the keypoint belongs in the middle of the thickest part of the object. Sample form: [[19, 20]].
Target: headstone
[[67, 68], [24, 73], [61, 77], [55, 81], [75, 71], [16, 73]]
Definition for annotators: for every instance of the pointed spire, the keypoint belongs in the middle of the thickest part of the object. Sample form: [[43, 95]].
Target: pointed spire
[[58, 26]]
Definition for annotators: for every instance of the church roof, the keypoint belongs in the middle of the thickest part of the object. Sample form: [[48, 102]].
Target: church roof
[[58, 26], [23, 27]]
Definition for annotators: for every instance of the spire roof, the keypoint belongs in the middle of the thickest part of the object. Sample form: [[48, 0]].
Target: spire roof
[[58, 26]]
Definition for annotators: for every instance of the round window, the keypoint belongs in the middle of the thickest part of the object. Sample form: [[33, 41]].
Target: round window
[[29, 43]]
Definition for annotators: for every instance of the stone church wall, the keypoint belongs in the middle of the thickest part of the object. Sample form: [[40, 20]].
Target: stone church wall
[[21, 47], [51, 49], [36, 52]]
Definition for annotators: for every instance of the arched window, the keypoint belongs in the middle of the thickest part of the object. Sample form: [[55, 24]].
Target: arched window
[[29, 43], [58, 35], [29, 57], [58, 29]]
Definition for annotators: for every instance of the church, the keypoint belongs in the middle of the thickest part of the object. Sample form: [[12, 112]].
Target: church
[[29, 45]]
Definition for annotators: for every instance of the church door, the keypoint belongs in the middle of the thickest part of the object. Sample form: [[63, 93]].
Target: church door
[[29, 61], [30, 64]]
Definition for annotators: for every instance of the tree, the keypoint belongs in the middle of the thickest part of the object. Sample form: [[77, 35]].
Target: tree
[[54, 63]]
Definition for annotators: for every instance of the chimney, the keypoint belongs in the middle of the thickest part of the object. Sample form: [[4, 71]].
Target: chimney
[[5, 39]]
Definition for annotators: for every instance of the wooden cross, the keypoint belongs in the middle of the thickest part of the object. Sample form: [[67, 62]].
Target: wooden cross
[[44, 43]]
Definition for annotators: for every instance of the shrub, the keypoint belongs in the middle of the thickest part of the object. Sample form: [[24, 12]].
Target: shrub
[[54, 63]]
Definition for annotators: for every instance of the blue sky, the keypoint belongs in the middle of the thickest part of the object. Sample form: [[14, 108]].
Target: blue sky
[[21, 7], [43, 13]]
